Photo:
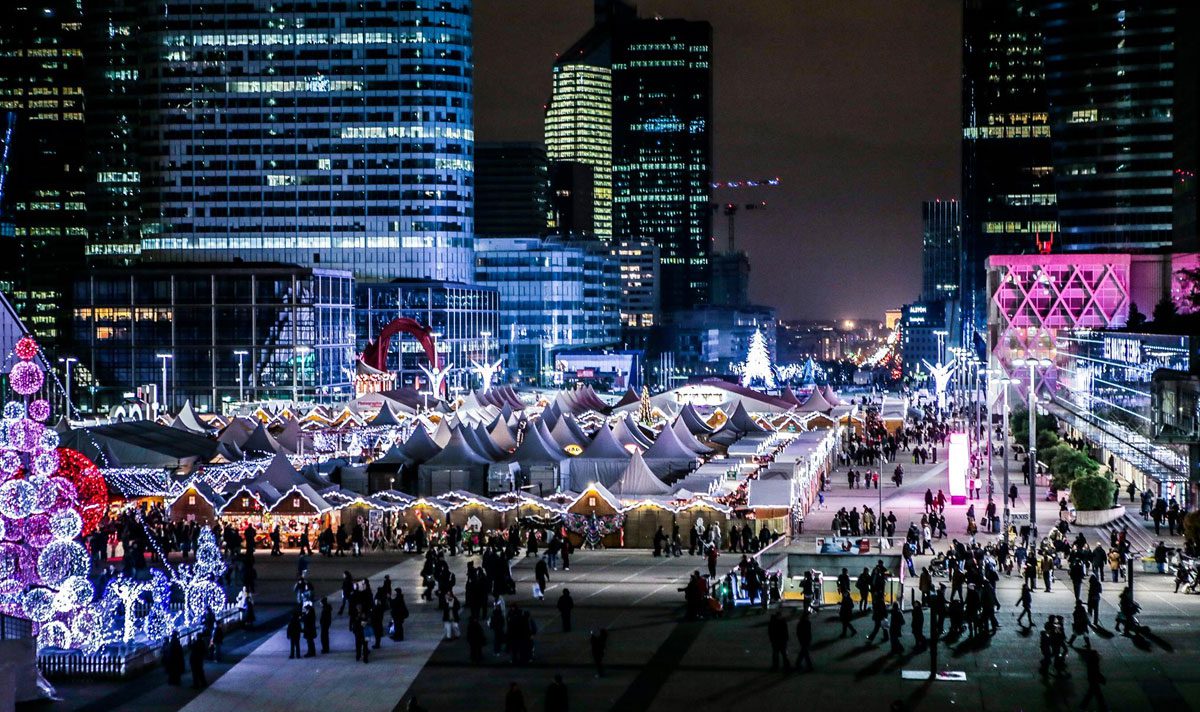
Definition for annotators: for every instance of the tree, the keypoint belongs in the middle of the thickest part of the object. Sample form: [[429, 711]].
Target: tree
[[757, 369], [1092, 492], [1165, 312]]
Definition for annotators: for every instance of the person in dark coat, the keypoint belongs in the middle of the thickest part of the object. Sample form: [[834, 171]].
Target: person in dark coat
[[326, 621], [476, 640], [197, 651], [498, 625], [173, 661], [777, 635], [566, 604], [804, 639], [846, 616], [542, 573], [556, 695], [399, 614], [599, 644], [1095, 679], [896, 627], [362, 646], [514, 700], [294, 628], [310, 630]]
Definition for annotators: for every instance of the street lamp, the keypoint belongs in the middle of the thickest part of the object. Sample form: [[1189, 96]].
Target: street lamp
[[1005, 382], [1031, 461], [241, 355], [164, 358], [68, 361]]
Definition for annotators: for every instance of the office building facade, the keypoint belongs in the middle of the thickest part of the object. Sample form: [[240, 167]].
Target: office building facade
[[941, 250], [1009, 205], [463, 317], [1110, 83], [512, 184], [337, 135], [711, 340], [43, 224], [572, 199], [554, 296], [287, 331], [662, 150]]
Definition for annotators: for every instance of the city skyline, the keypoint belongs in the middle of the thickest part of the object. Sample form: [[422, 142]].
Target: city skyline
[[835, 153]]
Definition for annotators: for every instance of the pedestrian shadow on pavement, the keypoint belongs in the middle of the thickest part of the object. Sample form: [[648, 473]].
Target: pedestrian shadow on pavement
[[875, 667], [1145, 640], [971, 645], [855, 652]]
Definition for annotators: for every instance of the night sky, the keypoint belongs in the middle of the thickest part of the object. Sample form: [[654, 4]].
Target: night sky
[[853, 103]]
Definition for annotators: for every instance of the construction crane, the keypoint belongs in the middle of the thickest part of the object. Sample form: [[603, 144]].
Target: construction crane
[[731, 209]]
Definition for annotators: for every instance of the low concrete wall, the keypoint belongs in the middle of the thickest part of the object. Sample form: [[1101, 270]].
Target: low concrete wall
[[1098, 517]]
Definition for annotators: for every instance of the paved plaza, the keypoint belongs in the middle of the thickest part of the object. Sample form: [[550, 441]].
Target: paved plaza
[[657, 660]]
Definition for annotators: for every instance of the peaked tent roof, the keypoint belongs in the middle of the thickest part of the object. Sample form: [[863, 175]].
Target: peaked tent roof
[[604, 446], [441, 435], [261, 442], [741, 421], [564, 435], [237, 431], [420, 445], [680, 428], [385, 416], [537, 448], [281, 475], [230, 451], [503, 436], [289, 437], [481, 441], [550, 415], [637, 479], [458, 452], [789, 396], [394, 456], [668, 447], [188, 419], [695, 424], [816, 403], [631, 396], [628, 433], [62, 426], [831, 395]]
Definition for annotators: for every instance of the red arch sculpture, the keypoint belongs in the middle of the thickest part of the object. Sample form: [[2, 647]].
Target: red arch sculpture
[[375, 355]]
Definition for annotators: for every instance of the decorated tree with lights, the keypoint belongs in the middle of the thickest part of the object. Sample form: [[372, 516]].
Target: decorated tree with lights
[[645, 411], [757, 369]]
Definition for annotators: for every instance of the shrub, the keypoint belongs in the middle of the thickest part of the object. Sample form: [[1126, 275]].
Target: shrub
[[1068, 463], [1092, 492], [1047, 439]]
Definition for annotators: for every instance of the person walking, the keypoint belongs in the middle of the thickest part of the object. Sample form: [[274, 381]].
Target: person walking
[[310, 630], [326, 621], [566, 604], [804, 640], [777, 635], [845, 615], [399, 614], [918, 625], [1079, 624], [476, 640], [1095, 680], [556, 696], [542, 573], [294, 628], [896, 626], [197, 651], [173, 660], [599, 645], [347, 591], [1093, 597]]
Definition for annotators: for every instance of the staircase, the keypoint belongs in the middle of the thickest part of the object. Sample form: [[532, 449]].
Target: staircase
[[1141, 534]]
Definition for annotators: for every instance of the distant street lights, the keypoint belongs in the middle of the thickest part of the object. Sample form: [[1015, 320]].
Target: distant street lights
[[1031, 463], [68, 361], [164, 358]]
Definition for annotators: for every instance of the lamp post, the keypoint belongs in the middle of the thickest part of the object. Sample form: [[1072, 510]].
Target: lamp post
[[1005, 383], [241, 356], [164, 358], [68, 361], [297, 352], [1031, 462]]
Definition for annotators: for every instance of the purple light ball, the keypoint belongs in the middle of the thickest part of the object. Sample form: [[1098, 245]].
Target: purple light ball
[[26, 378], [39, 410], [25, 434], [37, 531]]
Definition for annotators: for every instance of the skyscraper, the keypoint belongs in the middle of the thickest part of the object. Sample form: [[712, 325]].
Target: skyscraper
[[1008, 193], [1110, 81], [578, 125], [335, 134], [941, 246], [662, 149], [42, 205], [511, 189]]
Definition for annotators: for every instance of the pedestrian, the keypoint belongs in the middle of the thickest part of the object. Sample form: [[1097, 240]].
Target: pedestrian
[[197, 651], [173, 660], [542, 573], [804, 640], [399, 614], [556, 695], [514, 700], [777, 635], [476, 640], [896, 626], [326, 621], [1079, 624], [347, 591], [846, 616], [599, 644], [918, 625], [294, 628], [1093, 597], [310, 629], [565, 605]]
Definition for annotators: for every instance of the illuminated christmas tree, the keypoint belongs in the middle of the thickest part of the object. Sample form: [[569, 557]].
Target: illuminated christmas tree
[[757, 370]]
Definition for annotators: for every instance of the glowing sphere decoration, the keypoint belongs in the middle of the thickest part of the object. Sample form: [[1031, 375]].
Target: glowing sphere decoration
[[10, 464], [87, 628], [25, 378], [25, 435], [54, 634], [62, 559], [17, 499], [10, 561], [39, 409], [48, 440], [45, 463], [26, 348], [75, 592], [91, 493], [38, 604], [66, 524], [37, 531], [201, 597], [13, 410]]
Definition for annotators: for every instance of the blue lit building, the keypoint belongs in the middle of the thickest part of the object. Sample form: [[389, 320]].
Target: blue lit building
[[554, 296], [337, 135]]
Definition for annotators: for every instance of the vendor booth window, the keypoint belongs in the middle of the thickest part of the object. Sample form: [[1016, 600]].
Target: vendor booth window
[[191, 499]]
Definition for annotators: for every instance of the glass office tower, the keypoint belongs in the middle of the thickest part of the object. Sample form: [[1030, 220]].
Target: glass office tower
[[1110, 79], [662, 150], [579, 128], [941, 249], [335, 134]]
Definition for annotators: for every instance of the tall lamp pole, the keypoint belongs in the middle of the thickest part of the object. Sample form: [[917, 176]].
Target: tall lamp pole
[[241, 356], [164, 358], [1032, 364], [68, 361], [1004, 384]]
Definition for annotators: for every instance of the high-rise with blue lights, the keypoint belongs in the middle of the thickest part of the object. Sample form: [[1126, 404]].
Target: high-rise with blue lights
[[336, 134]]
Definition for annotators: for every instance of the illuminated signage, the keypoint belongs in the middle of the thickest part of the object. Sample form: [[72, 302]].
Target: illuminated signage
[[1122, 349], [956, 467]]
